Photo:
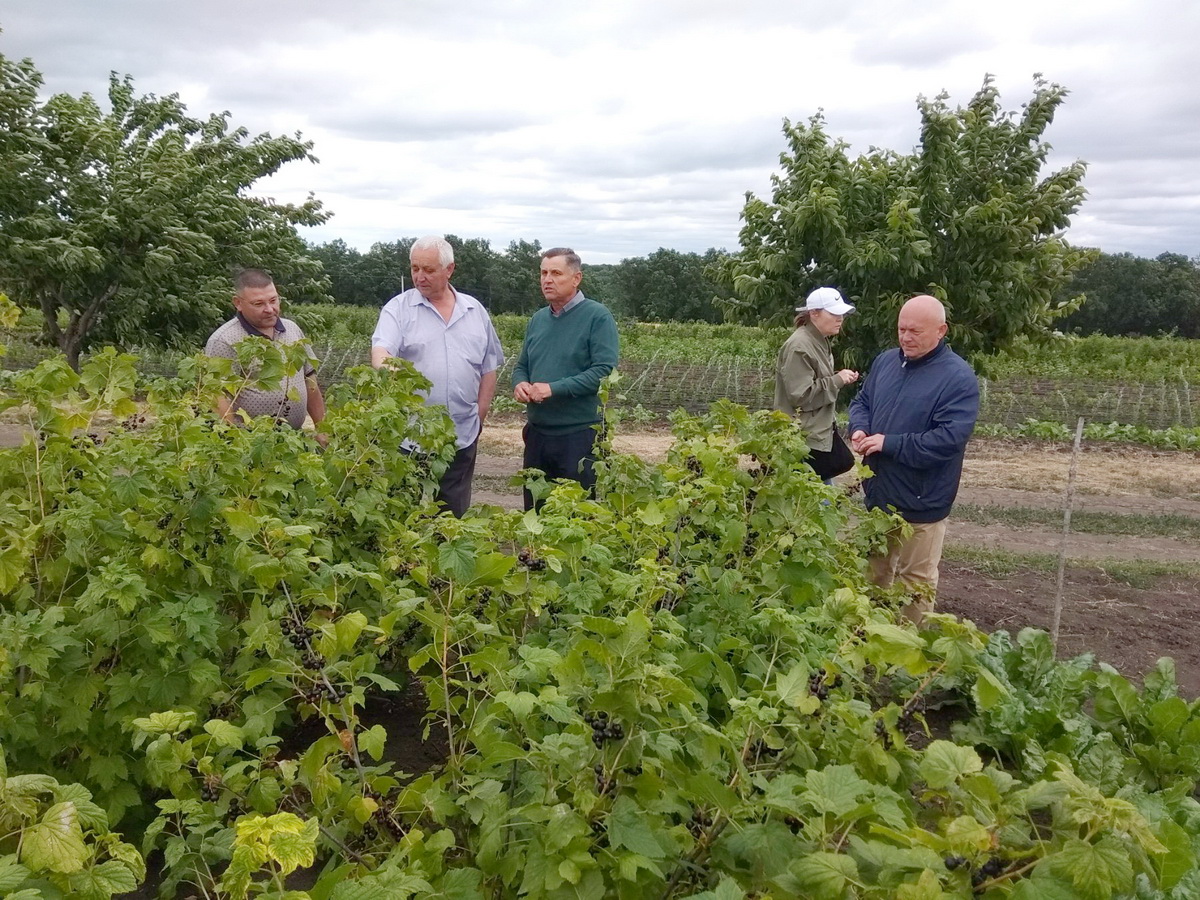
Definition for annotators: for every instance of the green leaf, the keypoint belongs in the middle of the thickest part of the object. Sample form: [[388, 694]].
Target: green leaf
[[103, 881], [372, 740], [56, 843], [1043, 886], [989, 692], [225, 734], [569, 871], [823, 875], [361, 808], [521, 703], [1096, 870], [792, 686], [1179, 859], [347, 630], [1167, 718], [926, 887], [966, 835], [628, 827], [490, 568], [172, 722], [943, 763], [91, 816], [834, 789], [891, 645], [242, 525], [12, 874], [383, 883], [1117, 701], [651, 514], [457, 559]]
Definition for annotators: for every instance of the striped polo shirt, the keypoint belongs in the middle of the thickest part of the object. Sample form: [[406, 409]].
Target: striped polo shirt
[[290, 401]]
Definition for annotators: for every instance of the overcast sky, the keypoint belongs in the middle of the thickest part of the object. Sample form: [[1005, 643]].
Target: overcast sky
[[619, 127]]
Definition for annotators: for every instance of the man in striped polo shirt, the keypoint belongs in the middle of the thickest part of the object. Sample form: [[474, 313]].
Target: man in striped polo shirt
[[257, 304]]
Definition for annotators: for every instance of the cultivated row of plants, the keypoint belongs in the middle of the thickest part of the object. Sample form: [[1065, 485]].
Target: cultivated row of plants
[[1142, 382], [683, 688], [1094, 358], [1176, 437]]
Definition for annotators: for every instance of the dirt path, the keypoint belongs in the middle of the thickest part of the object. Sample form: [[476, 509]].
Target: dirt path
[[1117, 480]]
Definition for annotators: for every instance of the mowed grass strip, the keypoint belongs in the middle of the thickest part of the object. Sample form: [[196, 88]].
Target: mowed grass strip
[[1138, 573], [1183, 528]]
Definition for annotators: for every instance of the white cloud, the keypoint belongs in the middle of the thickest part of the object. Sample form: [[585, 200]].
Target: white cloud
[[624, 126]]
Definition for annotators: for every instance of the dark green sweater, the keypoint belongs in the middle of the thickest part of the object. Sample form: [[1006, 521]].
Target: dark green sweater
[[572, 353]]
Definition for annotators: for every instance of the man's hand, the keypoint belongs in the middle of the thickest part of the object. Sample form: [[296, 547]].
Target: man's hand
[[867, 444], [856, 441], [848, 376], [531, 393]]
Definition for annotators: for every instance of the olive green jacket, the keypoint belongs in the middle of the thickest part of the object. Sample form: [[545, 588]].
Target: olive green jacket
[[807, 385]]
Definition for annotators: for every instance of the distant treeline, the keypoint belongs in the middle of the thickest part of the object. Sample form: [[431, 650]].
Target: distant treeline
[[1129, 294], [1126, 294], [665, 286]]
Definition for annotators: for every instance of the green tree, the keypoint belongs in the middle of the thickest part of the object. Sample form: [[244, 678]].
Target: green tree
[[347, 269], [967, 217], [388, 270], [671, 286], [125, 225], [1129, 294], [476, 268], [520, 291]]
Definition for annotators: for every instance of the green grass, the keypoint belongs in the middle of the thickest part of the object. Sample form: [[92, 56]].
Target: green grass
[[1170, 526], [1137, 573]]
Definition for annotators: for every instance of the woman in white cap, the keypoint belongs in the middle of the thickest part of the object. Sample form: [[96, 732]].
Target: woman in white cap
[[807, 385]]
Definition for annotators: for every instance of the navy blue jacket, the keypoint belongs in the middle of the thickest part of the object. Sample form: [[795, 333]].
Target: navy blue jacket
[[926, 409]]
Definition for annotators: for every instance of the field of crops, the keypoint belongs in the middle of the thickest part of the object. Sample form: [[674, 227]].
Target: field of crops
[[1146, 383], [684, 689]]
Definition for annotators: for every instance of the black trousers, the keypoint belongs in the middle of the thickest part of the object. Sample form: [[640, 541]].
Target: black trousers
[[561, 456], [832, 462], [454, 491]]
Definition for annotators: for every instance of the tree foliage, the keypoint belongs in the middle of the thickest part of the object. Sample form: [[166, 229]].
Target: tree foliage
[[505, 282], [669, 285], [665, 286], [966, 217], [125, 224], [1129, 294]]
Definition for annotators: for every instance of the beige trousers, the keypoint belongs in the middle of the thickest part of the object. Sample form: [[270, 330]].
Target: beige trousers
[[913, 562]]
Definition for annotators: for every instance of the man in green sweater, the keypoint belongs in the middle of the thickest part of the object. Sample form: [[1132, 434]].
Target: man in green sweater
[[570, 345]]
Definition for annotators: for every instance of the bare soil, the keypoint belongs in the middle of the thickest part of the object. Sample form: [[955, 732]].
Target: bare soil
[[1128, 627]]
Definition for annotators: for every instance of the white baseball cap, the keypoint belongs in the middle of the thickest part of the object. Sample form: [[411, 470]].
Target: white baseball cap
[[828, 299]]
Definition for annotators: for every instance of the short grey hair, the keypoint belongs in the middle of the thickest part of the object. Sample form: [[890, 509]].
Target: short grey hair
[[572, 258], [251, 278], [434, 242]]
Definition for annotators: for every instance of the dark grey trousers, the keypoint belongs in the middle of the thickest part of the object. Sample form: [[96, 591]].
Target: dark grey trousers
[[454, 491], [561, 456]]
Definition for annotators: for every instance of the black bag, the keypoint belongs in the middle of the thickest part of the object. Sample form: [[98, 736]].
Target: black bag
[[834, 461]]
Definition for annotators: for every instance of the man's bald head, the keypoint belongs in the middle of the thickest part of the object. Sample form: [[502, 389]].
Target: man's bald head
[[921, 326]]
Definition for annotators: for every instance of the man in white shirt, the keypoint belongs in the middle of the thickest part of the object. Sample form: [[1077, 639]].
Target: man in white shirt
[[449, 337]]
